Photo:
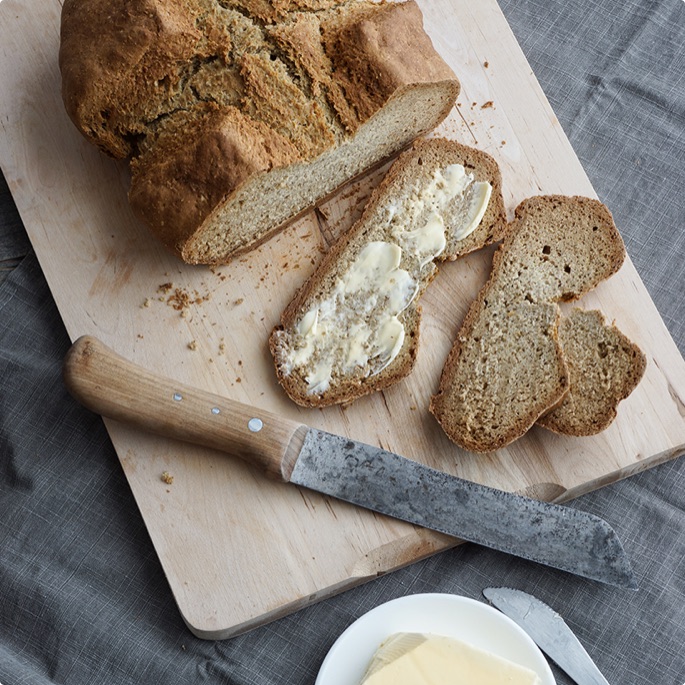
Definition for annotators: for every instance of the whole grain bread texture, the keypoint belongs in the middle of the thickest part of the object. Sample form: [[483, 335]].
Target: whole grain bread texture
[[507, 367], [388, 218], [604, 367], [238, 115]]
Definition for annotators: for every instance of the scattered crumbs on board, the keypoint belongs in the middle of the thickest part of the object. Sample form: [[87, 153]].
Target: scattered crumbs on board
[[181, 299], [167, 478], [487, 105]]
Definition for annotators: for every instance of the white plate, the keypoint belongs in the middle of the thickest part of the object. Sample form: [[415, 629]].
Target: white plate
[[466, 619]]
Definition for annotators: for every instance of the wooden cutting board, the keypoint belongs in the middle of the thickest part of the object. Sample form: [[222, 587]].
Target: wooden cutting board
[[238, 550]]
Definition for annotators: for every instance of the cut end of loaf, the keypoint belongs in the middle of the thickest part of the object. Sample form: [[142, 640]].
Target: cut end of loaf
[[208, 100], [270, 199]]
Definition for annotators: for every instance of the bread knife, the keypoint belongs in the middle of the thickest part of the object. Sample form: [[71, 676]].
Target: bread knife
[[549, 631], [367, 476]]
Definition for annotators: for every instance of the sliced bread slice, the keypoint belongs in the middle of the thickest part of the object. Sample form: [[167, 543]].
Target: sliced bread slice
[[506, 367], [604, 367], [353, 327], [505, 370]]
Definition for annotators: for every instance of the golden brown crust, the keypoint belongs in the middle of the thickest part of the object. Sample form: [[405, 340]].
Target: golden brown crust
[[381, 52], [121, 62]]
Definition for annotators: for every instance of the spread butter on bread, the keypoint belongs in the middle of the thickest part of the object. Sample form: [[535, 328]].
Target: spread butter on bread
[[239, 116], [353, 327], [507, 367]]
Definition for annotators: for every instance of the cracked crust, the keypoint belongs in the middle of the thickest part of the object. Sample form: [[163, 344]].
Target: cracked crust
[[338, 84]]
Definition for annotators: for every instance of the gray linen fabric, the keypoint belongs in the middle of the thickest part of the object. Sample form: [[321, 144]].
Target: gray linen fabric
[[83, 599]]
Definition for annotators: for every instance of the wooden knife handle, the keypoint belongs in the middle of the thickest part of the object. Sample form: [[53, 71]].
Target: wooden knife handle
[[114, 387]]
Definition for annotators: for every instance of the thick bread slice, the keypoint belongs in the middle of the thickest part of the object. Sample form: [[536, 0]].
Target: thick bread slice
[[559, 248], [240, 116], [505, 370], [506, 367], [604, 367], [396, 215]]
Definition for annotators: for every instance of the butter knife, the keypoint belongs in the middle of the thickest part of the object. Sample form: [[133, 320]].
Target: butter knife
[[549, 631]]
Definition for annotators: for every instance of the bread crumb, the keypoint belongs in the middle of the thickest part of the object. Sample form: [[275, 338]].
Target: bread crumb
[[146, 303], [487, 105], [167, 478], [486, 64], [181, 299], [192, 345]]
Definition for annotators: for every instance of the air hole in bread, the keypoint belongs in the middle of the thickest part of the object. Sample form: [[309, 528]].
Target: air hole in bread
[[546, 249]]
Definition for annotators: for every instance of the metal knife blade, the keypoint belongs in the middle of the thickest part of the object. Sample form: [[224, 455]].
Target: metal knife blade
[[553, 535], [549, 631], [364, 475]]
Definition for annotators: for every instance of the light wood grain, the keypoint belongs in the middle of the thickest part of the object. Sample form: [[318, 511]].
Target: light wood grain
[[239, 549]]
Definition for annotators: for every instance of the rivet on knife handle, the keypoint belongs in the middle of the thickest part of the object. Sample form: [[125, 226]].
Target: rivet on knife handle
[[112, 386]]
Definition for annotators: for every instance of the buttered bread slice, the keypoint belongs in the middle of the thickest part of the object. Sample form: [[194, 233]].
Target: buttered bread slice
[[353, 328], [420, 659]]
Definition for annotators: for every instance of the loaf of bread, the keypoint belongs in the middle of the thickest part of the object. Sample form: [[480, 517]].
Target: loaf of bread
[[353, 327], [507, 366], [238, 116], [604, 367]]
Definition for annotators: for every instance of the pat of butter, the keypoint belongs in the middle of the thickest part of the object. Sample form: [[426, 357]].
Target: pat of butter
[[417, 659], [357, 326]]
